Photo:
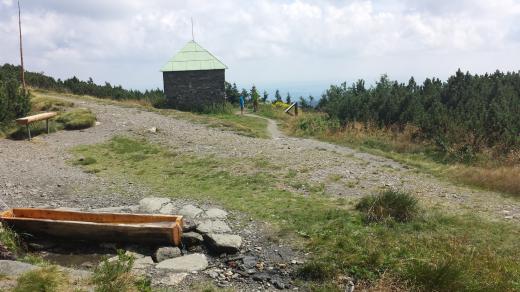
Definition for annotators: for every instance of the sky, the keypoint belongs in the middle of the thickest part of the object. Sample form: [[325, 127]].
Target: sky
[[301, 46]]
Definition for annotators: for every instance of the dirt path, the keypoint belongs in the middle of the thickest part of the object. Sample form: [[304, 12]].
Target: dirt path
[[36, 173]]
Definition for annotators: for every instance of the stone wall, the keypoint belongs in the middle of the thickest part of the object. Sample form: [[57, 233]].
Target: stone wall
[[193, 90]]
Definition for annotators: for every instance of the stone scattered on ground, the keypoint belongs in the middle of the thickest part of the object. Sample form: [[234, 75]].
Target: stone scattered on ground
[[167, 252], [213, 226], [190, 211], [215, 213], [188, 263], [152, 205], [224, 243]]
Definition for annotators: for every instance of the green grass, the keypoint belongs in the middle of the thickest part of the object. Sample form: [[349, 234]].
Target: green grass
[[115, 276], [46, 279], [10, 239], [76, 119], [483, 255]]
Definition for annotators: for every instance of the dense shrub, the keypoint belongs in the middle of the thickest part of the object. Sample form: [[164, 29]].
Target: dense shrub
[[462, 116], [14, 103], [389, 204]]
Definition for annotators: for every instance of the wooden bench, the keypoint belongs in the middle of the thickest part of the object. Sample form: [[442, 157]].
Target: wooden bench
[[35, 118]]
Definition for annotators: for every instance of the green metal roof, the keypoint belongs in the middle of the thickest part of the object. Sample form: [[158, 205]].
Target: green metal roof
[[193, 57]]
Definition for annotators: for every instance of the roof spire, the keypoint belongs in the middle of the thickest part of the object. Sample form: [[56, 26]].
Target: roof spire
[[192, 35]]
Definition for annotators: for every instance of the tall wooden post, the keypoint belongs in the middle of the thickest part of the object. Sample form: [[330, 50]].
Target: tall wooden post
[[21, 49]]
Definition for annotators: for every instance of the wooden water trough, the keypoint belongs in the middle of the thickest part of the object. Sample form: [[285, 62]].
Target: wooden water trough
[[99, 227]]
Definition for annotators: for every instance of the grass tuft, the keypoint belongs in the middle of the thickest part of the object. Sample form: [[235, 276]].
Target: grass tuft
[[46, 279], [77, 119], [390, 204], [115, 276]]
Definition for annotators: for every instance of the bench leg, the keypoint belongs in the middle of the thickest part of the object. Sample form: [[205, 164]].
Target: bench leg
[[47, 122], [29, 132]]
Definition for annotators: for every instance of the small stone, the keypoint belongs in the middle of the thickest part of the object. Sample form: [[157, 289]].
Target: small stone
[[192, 238], [98, 123], [190, 211], [215, 213], [188, 263], [249, 262], [167, 252], [261, 277], [210, 226], [152, 204], [153, 130]]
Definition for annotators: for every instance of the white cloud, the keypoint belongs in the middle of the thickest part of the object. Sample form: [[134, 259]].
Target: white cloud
[[263, 41]]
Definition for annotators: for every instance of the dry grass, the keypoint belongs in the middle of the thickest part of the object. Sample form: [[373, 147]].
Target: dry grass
[[504, 179]]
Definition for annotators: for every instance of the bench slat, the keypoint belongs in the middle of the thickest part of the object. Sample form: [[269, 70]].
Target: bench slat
[[35, 118]]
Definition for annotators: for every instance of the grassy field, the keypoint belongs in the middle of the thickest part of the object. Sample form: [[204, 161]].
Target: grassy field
[[430, 251], [229, 121], [502, 175]]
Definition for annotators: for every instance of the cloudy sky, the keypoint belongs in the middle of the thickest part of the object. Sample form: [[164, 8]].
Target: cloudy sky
[[301, 45]]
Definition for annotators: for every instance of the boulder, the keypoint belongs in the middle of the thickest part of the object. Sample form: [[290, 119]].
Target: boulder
[[224, 243], [152, 204], [192, 238], [168, 280], [167, 209], [213, 226], [14, 268], [167, 252], [190, 211], [215, 213], [189, 263]]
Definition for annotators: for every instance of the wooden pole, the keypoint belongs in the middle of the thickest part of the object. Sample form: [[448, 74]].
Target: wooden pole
[[21, 49]]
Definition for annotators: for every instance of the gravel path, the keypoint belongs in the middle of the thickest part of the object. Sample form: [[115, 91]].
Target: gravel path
[[37, 173]]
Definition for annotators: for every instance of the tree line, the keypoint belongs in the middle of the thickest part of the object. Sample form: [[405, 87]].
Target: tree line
[[468, 112], [80, 87]]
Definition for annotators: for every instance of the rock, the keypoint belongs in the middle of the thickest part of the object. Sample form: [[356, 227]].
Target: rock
[[277, 283], [215, 213], [134, 254], [192, 238], [188, 225], [224, 243], [188, 263], [119, 209], [167, 252], [190, 211], [14, 268], [152, 204], [168, 280], [213, 226], [249, 262], [261, 277], [77, 275], [152, 130], [141, 265], [98, 123], [167, 209]]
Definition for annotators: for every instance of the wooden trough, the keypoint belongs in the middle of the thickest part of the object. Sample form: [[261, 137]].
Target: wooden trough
[[100, 227]]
